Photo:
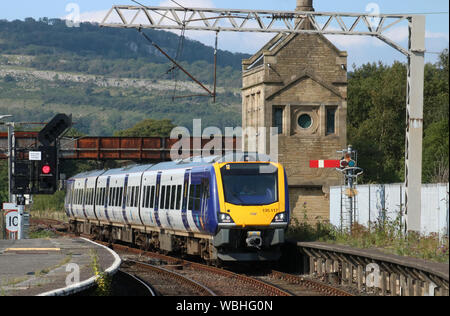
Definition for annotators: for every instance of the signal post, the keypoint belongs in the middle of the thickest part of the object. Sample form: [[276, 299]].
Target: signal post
[[34, 172]]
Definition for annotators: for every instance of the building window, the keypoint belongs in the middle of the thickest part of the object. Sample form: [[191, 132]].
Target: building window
[[278, 119], [305, 121], [331, 121]]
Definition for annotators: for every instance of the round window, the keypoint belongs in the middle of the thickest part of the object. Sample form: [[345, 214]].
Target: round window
[[305, 121]]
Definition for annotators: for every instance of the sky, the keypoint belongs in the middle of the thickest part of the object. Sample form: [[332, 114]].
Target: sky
[[360, 49]]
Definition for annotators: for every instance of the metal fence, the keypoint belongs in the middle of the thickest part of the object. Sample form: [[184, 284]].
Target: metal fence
[[378, 202]]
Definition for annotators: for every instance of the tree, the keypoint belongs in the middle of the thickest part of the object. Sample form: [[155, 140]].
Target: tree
[[435, 152], [149, 128]]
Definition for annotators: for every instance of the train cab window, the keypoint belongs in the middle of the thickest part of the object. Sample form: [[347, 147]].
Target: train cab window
[[245, 184], [179, 197], [152, 197]]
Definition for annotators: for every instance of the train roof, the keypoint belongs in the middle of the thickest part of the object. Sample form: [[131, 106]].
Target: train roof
[[177, 164]]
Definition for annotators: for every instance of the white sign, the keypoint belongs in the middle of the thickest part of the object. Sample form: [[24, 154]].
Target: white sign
[[9, 206], [35, 155], [12, 221]]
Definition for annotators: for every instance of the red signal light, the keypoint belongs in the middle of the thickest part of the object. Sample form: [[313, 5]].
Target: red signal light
[[46, 169]]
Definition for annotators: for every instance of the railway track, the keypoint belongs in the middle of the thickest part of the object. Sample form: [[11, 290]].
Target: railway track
[[164, 281], [170, 276], [216, 281]]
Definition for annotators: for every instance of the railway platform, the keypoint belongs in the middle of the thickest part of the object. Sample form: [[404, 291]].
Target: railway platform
[[52, 267]]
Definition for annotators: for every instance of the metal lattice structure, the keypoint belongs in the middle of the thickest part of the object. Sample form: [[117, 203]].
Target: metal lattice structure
[[309, 22]]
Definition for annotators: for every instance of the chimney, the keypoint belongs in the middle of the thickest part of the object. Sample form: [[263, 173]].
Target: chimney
[[304, 5]]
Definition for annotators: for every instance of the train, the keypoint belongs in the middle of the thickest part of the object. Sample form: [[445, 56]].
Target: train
[[221, 208]]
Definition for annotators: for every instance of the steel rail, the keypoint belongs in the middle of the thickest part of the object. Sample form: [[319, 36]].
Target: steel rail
[[267, 288], [142, 282], [173, 275]]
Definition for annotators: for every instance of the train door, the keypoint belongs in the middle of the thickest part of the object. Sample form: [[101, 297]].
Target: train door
[[184, 204], [204, 202], [157, 199]]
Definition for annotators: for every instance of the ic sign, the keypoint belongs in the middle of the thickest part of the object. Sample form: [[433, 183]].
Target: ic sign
[[12, 221], [11, 217]]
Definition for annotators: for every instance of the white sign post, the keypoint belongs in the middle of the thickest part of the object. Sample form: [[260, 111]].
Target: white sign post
[[12, 220], [35, 156]]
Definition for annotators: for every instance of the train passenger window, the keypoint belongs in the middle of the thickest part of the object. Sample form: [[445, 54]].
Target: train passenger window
[[121, 196], [152, 197], [147, 197], [110, 197], [179, 197], [173, 197], [102, 197], [163, 196], [198, 194], [144, 197], [131, 198], [136, 197], [191, 197], [167, 205]]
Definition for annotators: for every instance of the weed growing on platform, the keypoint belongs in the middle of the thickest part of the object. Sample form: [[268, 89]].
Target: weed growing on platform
[[387, 236], [103, 281]]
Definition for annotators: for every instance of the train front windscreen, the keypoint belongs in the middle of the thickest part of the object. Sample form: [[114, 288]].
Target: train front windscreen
[[250, 183]]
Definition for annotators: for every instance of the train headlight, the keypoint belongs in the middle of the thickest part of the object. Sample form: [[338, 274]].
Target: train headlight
[[225, 218], [280, 218]]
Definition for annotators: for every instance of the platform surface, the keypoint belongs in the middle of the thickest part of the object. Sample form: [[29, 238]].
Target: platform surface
[[36, 266]]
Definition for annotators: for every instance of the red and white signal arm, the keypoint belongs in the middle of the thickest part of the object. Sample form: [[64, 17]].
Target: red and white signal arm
[[11, 217], [321, 164]]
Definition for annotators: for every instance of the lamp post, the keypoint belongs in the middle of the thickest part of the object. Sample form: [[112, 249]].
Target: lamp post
[[20, 199]]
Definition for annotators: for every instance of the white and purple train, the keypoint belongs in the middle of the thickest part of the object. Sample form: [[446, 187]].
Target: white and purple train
[[233, 208]]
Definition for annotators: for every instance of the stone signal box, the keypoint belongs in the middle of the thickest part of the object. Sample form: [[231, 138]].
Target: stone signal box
[[298, 84]]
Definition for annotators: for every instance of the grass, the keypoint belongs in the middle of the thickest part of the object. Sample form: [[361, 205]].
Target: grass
[[387, 236]]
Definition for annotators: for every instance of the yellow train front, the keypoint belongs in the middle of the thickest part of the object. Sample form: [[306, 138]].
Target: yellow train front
[[254, 210]]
